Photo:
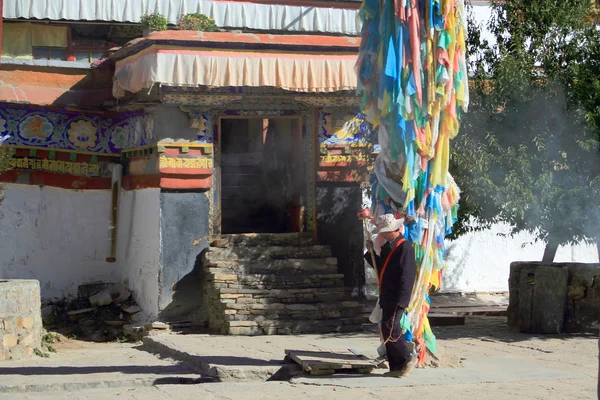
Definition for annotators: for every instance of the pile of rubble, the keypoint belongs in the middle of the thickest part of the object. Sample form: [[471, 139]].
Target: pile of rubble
[[100, 313]]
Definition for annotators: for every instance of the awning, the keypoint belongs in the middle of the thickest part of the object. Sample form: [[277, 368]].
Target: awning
[[226, 13], [308, 72]]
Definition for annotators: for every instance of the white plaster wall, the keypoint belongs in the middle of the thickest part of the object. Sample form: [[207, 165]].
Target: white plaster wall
[[138, 250], [480, 261], [57, 236]]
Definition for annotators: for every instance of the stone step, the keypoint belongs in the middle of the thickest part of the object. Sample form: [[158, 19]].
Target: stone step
[[272, 281], [288, 327], [266, 239], [313, 315], [215, 254], [251, 306], [287, 296], [283, 266]]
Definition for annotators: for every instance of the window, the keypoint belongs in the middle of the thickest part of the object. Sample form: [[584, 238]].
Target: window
[[49, 53], [88, 55]]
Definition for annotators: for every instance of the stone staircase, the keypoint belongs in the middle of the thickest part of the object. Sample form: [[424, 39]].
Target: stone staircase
[[276, 284]]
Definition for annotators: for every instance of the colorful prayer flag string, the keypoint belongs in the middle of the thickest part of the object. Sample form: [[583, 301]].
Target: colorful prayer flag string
[[413, 80]]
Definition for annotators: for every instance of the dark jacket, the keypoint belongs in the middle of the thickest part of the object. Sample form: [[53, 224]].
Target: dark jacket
[[399, 276]]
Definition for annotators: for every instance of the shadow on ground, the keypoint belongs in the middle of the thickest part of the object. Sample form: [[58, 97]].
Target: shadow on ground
[[494, 329]]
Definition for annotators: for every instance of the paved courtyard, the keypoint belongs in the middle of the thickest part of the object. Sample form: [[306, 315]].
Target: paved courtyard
[[480, 360]]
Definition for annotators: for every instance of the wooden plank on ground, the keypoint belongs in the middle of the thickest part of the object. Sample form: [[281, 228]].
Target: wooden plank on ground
[[490, 311], [326, 362]]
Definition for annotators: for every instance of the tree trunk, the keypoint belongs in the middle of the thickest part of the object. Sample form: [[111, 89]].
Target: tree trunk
[[597, 245], [550, 251]]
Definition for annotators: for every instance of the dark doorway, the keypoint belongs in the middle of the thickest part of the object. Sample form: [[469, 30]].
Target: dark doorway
[[262, 175]]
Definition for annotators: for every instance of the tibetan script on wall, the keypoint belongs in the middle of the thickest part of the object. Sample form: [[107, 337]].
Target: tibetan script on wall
[[62, 167]]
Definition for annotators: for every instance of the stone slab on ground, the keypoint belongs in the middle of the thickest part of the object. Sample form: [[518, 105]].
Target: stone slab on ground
[[478, 369], [231, 358], [85, 365]]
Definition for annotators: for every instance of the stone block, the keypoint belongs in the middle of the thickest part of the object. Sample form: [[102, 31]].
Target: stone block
[[10, 340], [131, 309], [157, 325], [28, 340], [25, 322], [225, 277], [230, 312], [272, 306], [301, 307], [246, 300], [258, 312], [242, 323], [245, 330], [236, 306], [101, 299], [538, 294], [231, 296], [332, 314]]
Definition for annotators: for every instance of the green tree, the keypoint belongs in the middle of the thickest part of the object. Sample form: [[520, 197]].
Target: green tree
[[528, 152]]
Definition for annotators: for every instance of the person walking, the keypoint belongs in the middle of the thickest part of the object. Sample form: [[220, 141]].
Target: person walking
[[397, 270]]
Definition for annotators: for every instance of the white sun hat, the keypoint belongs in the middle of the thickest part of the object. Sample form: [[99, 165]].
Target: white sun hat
[[388, 223]]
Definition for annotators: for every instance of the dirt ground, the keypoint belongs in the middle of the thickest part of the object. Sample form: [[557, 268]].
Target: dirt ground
[[496, 364]]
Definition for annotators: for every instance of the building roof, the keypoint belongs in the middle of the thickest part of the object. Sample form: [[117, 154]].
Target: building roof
[[336, 17], [238, 40]]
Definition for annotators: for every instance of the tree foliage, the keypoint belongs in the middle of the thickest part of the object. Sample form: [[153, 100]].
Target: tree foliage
[[528, 152]]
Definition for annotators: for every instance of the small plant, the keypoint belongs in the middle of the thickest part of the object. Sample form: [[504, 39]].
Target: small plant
[[154, 22], [197, 22], [47, 339], [122, 339], [39, 353], [50, 338]]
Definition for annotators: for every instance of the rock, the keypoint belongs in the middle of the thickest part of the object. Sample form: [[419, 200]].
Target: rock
[[48, 314], [74, 313], [131, 309], [242, 323], [134, 332], [222, 243], [119, 293], [115, 294], [101, 299], [157, 325]]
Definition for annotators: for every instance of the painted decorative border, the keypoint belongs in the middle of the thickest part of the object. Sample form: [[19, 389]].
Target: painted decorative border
[[76, 131]]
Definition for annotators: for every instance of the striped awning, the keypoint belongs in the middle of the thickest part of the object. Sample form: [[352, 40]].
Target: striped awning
[[305, 71]]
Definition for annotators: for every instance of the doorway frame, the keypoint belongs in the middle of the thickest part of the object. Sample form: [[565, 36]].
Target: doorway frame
[[310, 167]]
